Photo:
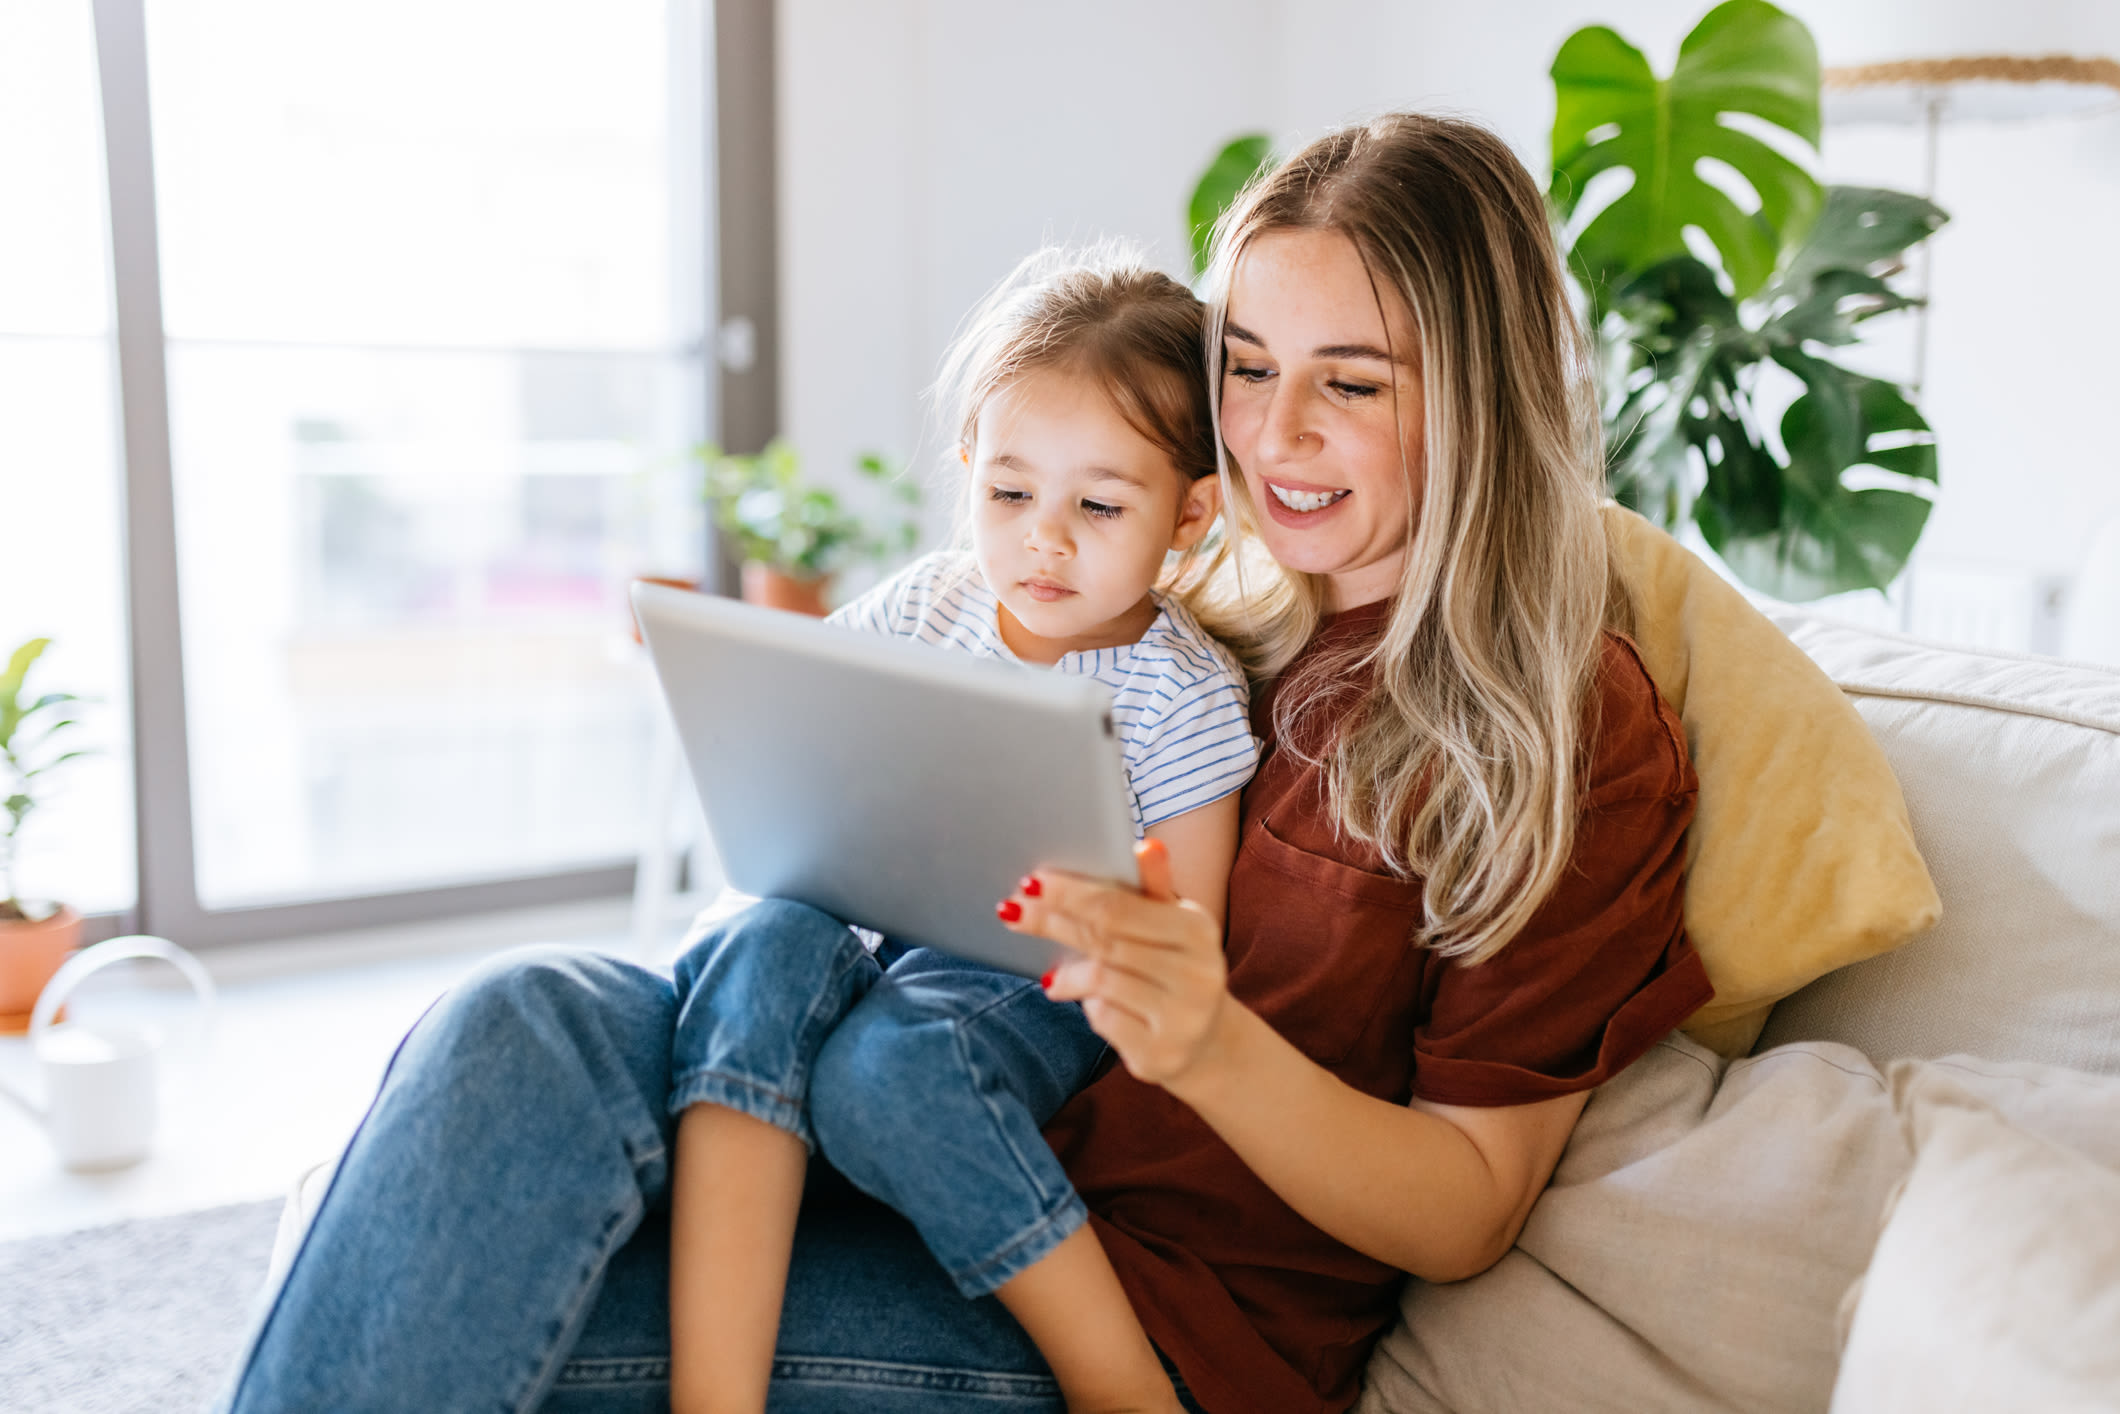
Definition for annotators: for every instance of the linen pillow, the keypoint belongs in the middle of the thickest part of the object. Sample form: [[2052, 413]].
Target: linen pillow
[[1996, 1284], [1700, 1233], [1800, 859]]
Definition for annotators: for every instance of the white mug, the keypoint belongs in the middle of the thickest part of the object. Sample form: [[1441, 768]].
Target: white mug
[[99, 1082]]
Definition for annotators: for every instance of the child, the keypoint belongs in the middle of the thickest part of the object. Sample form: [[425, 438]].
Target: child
[[1083, 421]]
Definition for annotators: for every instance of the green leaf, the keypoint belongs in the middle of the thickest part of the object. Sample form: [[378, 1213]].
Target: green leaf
[[1612, 112], [57, 760], [1233, 167]]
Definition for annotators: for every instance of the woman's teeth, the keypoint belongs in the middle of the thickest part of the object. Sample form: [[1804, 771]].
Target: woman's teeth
[[1304, 500]]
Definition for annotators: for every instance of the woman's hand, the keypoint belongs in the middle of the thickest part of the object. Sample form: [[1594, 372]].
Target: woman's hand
[[1151, 977]]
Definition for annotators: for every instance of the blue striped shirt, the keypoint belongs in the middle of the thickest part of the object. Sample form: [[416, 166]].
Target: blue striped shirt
[[1179, 699]]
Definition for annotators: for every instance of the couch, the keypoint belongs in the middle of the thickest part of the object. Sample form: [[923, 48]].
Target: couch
[[1907, 1197]]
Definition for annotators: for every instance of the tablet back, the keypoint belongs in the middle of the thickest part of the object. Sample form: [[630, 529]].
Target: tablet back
[[893, 784]]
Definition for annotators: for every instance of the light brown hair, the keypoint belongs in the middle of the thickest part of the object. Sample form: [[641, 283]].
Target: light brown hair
[[1463, 760]]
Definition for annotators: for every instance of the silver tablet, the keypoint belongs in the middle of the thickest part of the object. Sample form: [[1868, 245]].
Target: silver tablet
[[895, 785]]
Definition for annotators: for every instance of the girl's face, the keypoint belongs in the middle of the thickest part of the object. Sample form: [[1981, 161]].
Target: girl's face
[[1321, 411], [1072, 513]]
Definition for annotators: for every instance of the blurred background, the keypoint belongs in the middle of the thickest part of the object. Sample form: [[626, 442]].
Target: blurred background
[[433, 304]]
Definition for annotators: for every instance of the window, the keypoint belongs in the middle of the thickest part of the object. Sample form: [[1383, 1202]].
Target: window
[[62, 573], [433, 292]]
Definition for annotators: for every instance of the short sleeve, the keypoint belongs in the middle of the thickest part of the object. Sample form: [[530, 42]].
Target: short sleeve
[[1603, 970], [887, 608], [1198, 748]]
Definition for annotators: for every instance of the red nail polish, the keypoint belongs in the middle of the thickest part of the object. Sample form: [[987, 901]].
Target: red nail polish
[[1008, 910], [1030, 886], [1047, 980]]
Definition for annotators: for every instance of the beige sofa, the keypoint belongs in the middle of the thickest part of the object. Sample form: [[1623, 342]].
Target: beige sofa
[[1707, 1243]]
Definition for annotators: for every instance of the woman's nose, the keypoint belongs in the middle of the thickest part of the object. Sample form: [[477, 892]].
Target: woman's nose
[[1286, 431]]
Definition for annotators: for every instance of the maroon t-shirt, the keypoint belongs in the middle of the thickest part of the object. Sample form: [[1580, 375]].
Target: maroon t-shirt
[[1263, 1312]]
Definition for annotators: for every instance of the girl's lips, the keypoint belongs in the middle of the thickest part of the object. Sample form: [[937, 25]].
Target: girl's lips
[[1045, 593]]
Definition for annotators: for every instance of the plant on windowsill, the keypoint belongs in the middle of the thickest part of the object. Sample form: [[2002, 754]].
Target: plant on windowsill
[[1716, 281], [794, 537], [35, 936]]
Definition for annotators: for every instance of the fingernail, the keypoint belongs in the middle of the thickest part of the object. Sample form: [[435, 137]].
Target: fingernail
[[1030, 886], [1047, 980], [1008, 910]]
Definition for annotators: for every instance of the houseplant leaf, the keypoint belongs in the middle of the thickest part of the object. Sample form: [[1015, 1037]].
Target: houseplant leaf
[[1612, 112], [1218, 186]]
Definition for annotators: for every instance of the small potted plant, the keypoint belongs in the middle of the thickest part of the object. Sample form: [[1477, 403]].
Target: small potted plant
[[795, 537], [35, 937]]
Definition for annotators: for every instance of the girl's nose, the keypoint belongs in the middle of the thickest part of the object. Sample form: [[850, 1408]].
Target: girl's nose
[[1048, 535]]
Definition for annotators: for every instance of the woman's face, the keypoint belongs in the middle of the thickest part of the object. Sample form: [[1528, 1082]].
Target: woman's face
[[1321, 411]]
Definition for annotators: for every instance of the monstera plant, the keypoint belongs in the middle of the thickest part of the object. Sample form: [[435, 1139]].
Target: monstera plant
[[1695, 291], [1707, 256]]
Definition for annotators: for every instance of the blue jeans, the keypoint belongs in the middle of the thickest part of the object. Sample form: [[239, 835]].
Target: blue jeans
[[496, 1238], [923, 1078]]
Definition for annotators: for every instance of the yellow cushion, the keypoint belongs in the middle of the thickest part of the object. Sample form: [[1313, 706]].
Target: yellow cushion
[[1801, 859]]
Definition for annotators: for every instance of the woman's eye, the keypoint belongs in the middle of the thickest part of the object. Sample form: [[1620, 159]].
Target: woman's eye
[[1007, 497], [1248, 372], [1354, 392], [1101, 510]]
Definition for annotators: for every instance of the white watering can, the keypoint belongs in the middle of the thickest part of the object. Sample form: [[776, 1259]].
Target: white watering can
[[99, 1082]]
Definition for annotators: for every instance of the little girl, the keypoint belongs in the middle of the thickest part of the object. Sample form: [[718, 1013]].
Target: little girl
[[1081, 401]]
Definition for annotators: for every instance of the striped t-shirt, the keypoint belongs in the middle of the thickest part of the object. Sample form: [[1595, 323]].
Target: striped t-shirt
[[1179, 699]]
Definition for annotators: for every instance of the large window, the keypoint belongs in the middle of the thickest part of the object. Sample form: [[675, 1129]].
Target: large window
[[432, 292], [61, 548]]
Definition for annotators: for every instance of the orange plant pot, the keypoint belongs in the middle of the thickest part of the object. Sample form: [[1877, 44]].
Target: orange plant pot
[[29, 954], [774, 589]]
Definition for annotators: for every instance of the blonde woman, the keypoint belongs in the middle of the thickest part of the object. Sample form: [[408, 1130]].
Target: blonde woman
[[1454, 910]]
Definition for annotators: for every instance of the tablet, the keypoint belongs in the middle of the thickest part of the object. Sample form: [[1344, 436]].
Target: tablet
[[894, 785]]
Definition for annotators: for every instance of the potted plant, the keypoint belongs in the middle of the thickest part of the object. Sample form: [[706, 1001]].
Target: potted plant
[[1722, 404], [794, 537], [35, 936]]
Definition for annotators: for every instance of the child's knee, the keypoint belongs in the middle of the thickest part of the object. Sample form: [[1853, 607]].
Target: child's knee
[[771, 936]]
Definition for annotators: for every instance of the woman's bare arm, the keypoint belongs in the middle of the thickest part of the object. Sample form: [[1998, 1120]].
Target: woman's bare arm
[[1438, 1191]]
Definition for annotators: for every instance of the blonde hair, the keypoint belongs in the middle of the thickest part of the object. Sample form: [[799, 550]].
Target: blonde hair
[[1461, 756], [1104, 314]]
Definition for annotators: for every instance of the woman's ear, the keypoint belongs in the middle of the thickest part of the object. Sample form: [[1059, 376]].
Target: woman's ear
[[1197, 510], [964, 454]]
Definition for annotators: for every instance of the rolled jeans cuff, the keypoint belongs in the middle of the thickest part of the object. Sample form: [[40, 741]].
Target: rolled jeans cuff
[[984, 1277], [745, 1096]]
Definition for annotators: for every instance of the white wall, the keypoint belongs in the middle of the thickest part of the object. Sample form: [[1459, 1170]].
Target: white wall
[[927, 144]]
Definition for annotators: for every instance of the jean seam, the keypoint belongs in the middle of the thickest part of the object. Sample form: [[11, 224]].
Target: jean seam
[[729, 1090], [547, 1373], [1024, 1165], [854, 1370], [975, 1279]]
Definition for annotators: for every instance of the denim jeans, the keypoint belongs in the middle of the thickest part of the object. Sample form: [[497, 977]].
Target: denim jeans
[[496, 1234]]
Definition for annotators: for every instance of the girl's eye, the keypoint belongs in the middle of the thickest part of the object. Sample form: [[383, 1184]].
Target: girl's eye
[[1101, 511], [1354, 392], [1007, 497]]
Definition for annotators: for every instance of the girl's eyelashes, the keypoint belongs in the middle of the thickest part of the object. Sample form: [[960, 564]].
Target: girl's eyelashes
[[1101, 510], [1008, 496]]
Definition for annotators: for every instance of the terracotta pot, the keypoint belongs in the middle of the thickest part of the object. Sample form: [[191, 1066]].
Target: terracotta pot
[[29, 954], [776, 589]]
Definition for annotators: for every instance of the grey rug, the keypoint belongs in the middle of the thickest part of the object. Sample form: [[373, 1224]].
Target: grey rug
[[139, 1316]]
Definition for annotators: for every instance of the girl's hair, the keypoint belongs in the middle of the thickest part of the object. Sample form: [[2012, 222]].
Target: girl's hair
[[1462, 757], [1102, 313]]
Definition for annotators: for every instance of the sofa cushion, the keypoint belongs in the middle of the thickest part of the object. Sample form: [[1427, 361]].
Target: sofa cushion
[[1800, 859], [1996, 1284], [2011, 769], [1700, 1233]]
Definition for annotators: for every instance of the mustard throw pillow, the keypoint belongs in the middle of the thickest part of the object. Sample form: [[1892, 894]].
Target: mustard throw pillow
[[1801, 859]]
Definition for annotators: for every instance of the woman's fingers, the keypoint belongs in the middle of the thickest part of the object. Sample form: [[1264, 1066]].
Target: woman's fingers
[[1086, 914]]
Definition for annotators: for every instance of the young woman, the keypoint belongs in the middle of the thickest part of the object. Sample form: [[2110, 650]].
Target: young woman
[[1455, 909]]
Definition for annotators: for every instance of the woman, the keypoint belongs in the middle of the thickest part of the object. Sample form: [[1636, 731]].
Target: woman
[[1455, 910]]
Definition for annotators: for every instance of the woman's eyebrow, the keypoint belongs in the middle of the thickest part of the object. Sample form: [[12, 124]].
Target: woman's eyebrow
[[1244, 335]]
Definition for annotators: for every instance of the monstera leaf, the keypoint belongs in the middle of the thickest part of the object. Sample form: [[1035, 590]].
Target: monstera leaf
[[1612, 112], [1218, 186], [1840, 503]]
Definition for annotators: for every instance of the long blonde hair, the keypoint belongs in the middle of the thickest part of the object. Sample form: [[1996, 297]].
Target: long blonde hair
[[1462, 758]]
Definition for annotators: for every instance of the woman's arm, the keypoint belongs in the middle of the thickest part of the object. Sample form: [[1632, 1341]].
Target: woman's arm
[[1438, 1191], [1202, 845]]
